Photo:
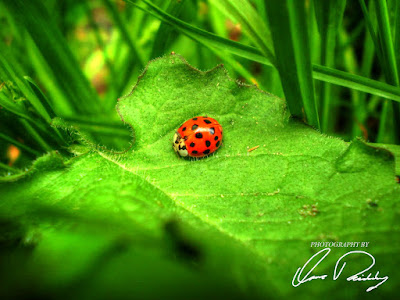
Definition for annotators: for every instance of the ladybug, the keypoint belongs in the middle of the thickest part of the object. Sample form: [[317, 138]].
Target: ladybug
[[198, 137]]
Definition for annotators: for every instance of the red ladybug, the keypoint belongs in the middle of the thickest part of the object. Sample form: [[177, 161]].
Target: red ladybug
[[198, 137]]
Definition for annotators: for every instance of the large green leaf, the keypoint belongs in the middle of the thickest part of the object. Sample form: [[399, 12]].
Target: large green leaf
[[237, 224]]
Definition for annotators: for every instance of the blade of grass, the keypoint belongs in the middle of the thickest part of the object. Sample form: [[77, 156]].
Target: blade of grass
[[288, 24], [10, 72], [390, 67], [386, 42], [19, 110], [8, 168], [46, 103], [203, 36], [373, 104], [244, 13], [165, 31], [100, 128], [36, 136], [218, 21], [330, 75], [218, 25], [96, 30], [370, 19], [354, 34], [329, 16], [356, 82], [18, 144], [396, 40], [368, 56], [260, 5], [358, 107], [385, 53], [370, 25], [121, 25], [110, 99], [351, 65], [383, 122], [315, 39], [11, 106], [43, 99], [62, 106], [135, 60], [33, 16]]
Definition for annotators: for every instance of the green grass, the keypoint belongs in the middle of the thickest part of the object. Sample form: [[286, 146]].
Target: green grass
[[301, 59], [292, 50]]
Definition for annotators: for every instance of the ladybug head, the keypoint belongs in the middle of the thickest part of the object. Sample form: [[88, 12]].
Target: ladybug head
[[178, 143]]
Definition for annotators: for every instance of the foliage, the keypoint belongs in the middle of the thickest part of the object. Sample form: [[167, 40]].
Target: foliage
[[106, 209]]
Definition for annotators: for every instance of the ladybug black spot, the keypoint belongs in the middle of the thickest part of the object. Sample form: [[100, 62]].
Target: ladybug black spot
[[195, 126], [199, 135], [206, 151], [216, 138], [194, 119], [208, 144], [191, 144], [217, 144], [184, 128], [194, 152], [176, 142], [212, 130], [207, 121]]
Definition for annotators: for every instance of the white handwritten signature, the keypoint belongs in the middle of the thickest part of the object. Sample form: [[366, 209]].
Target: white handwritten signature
[[298, 279]]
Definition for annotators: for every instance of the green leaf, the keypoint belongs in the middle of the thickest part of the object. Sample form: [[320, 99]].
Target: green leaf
[[238, 220], [395, 149]]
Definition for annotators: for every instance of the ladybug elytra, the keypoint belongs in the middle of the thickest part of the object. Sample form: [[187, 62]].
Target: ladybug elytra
[[198, 137]]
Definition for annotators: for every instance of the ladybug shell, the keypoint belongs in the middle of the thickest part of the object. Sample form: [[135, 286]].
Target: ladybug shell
[[201, 136]]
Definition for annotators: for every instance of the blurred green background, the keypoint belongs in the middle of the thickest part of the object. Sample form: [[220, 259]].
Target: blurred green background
[[335, 62]]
